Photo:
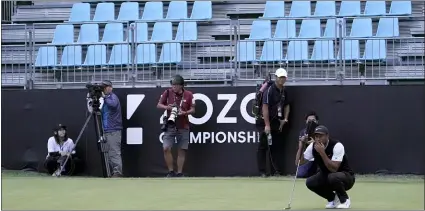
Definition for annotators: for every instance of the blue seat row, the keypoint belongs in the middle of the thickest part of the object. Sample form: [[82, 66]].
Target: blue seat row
[[96, 55], [129, 11], [114, 32], [361, 27], [323, 51], [276, 9]]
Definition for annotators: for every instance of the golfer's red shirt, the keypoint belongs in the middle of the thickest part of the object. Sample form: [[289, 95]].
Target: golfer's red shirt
[[183, 121]]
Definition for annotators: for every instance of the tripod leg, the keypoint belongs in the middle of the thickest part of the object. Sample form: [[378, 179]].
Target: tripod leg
[[102, 145]]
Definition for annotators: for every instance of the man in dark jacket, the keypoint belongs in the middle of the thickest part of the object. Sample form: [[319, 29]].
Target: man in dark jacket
[[112, 126]]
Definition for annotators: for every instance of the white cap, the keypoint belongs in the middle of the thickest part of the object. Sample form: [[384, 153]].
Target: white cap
[[281, 73]]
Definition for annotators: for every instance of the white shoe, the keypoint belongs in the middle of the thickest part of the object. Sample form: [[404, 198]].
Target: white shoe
[[345, 205], [333, 204]]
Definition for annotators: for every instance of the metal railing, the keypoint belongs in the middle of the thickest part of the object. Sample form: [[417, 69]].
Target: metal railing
[[15, 58], [8, 9], [143, 60]]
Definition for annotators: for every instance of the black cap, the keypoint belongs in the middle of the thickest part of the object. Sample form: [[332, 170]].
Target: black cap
[[107, 83], [60, 126], [321, 129], [177, 80]]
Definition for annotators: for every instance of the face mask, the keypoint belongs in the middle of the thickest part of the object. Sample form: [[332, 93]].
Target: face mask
[[61, 133]]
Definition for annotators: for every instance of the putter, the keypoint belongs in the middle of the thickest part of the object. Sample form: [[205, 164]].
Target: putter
[[293, 187]]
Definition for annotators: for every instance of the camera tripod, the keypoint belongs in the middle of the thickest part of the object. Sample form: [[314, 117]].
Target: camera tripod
[[101, 143]]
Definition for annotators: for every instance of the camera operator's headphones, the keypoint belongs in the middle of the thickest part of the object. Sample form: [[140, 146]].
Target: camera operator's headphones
[[177, 80], [56, 129]]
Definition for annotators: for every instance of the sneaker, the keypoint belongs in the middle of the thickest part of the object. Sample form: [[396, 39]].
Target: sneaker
[[345, 205], [56, 173], [179, 175], [333, 204], [171, 174]]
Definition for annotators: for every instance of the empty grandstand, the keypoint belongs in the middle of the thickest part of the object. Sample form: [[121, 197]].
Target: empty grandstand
[[139, 44]]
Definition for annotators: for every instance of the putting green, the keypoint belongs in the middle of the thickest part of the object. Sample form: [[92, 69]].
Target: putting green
[[37, 192]]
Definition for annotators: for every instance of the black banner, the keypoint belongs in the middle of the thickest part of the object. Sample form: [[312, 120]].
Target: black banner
[[380, 126]]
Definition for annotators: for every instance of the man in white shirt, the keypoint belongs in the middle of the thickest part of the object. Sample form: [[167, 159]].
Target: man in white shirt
[[59, 146], [335, 176]]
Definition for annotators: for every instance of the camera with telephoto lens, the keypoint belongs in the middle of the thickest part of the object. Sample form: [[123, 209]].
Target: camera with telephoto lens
[[171, 120], [311, 126]]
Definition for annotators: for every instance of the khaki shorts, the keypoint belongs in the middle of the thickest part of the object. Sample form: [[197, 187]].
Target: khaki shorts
[[172, 134]]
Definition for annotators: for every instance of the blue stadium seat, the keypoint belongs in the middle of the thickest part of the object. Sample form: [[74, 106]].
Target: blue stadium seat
[[153, 11], [261, 29], [351, 50], [401, 8], [146, 54], [323, 50], [285, 29], [310, 29], [120, 55], [71, 56], [96, 55], [201, 10], [325, 8], [375, 8], [300, 9], [113, 32], [187, 31], [297, 51], [141, 30], [64, 34], [388, 27], [162, 31], [361, 27], [349, 8], [375, 50], [104, 12], [331, 29], [177, 10], [274, 9], [129, 11], [89, 33], [80, 12], [246, 51], [272, 51], [47, 57], [170, 53]]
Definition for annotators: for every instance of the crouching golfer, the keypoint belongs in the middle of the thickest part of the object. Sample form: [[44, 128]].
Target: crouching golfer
[[335, 176]]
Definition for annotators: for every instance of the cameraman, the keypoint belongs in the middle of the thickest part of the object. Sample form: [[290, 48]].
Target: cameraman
[[182, 100], [112, 126], [309, 168], [275, 110]]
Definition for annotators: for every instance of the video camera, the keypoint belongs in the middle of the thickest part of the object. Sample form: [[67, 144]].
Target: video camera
[[94, 95]]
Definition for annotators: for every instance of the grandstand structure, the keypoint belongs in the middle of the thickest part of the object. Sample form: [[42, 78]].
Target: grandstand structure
[[49, 44]]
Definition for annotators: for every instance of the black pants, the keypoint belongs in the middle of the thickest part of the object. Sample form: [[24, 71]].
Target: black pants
[[324, 185], [263, 150], [53, 163]]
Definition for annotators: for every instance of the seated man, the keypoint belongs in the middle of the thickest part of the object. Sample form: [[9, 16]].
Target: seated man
[[309, 168], [59, 147]]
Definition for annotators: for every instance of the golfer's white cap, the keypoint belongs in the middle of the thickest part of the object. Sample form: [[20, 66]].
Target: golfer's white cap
[[281, 73]]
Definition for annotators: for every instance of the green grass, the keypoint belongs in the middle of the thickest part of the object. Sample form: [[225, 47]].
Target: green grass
[[34, 191]]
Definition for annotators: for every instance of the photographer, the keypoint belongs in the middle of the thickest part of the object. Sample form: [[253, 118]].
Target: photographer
[[275, 110], [59, 146], [306, 137], [179, 104], [112, 126]]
